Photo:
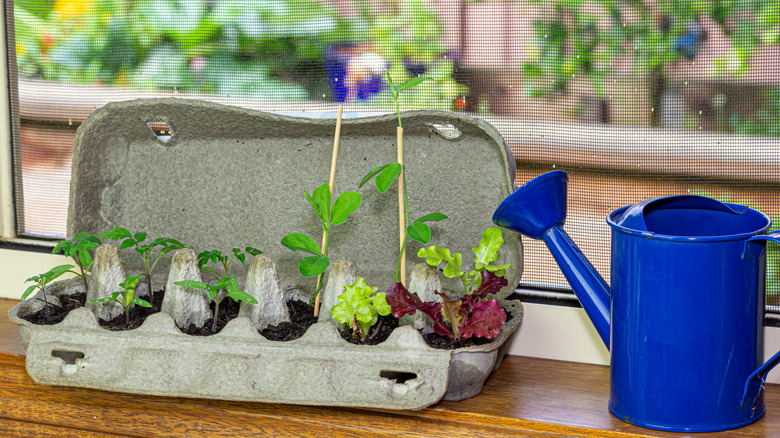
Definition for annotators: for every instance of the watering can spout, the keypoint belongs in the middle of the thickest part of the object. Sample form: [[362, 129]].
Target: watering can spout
[[538, 210]]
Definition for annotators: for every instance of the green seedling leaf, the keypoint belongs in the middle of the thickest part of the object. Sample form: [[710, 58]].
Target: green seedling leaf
[[239, 255], [372, 173], [301, 242], [28, 291], [413, 82], [432, 217], [139, 237], [252, 251], [118, 233], [317, 209], [434, 256], [487, 251], [321, 196], [238, 295], [419, 231], [313, 266], [140, 302], [193, 284], [57, 271], [387, 177], [128, 243], [345, 205]]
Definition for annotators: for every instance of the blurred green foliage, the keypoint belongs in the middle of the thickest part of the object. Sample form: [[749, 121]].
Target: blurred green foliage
[[589, 38], [764, 121], [268, 49]]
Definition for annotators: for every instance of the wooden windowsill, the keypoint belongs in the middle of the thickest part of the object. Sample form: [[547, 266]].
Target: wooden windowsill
[[525, 397]]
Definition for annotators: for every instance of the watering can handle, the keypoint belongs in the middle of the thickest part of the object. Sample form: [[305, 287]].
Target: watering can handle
[[753, 251], [760, 373]]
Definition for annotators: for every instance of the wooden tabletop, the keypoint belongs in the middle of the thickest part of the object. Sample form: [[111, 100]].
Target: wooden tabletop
[[525, 397]]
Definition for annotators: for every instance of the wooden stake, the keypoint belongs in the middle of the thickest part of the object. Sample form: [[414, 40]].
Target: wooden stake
[[330, 187], [401, 204]]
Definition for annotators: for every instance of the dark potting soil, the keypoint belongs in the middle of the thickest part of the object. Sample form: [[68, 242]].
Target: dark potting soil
[[301, 318], [378, 333], [442, 342], [57, 313], [228, 310], [137, 314]]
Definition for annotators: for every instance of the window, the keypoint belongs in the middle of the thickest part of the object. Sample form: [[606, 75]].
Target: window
[[633, 99]]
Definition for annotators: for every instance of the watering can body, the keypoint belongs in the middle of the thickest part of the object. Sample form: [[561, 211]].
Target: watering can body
[[684, 316]]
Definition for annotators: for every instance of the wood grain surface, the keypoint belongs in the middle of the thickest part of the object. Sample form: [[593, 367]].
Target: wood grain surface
[[525, 397]]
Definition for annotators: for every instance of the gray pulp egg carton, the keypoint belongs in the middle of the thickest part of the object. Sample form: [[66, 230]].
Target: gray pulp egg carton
[[230, 177]]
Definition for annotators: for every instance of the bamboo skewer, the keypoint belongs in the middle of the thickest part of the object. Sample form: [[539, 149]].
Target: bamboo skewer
[[401, 209], [330, 187]]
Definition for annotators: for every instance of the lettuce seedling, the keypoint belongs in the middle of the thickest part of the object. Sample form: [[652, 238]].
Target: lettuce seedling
[[78, 248], [473, 314], [228, 285], [388, 173], [42, 280], [330, 214], [126, 297], [144, 251], [359, 306]]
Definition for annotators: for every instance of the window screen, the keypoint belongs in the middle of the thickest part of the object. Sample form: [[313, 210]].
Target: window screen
[[635, 99]]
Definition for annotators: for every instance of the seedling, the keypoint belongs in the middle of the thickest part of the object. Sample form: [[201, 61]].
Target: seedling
[[144, 251], [225, 287], [78, 248], [217, 258], [388, 173], [473, 314], [330, 214], [360, 306], [42, 280], [126, 297]]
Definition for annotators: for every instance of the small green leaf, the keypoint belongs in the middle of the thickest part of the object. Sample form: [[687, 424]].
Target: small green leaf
[[141, 302], [317, 209], [57, 271], [128, 243], [193, 284], [253, 251], [28, 292], [238, 295], [371, 173], [437, 217], [387, 177], [487, 251], [84, 257], [321, 196], [413, 82], [419, 231], [434, 255], [239, 255], [301, 242], [60, 246], [102, 300], [117, 233], [345, 204], [313, 266], [139, 237]]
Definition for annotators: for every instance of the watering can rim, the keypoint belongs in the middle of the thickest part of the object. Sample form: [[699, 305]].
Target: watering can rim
[[615, 219]]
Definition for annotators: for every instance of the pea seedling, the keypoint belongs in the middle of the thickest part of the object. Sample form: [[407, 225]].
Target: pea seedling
[[42, 280], [330, 214], [388, 173], [78, 248], [144, 251], [126, 297]]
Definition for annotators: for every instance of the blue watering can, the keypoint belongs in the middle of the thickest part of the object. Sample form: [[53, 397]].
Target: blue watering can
[[684, 317]]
